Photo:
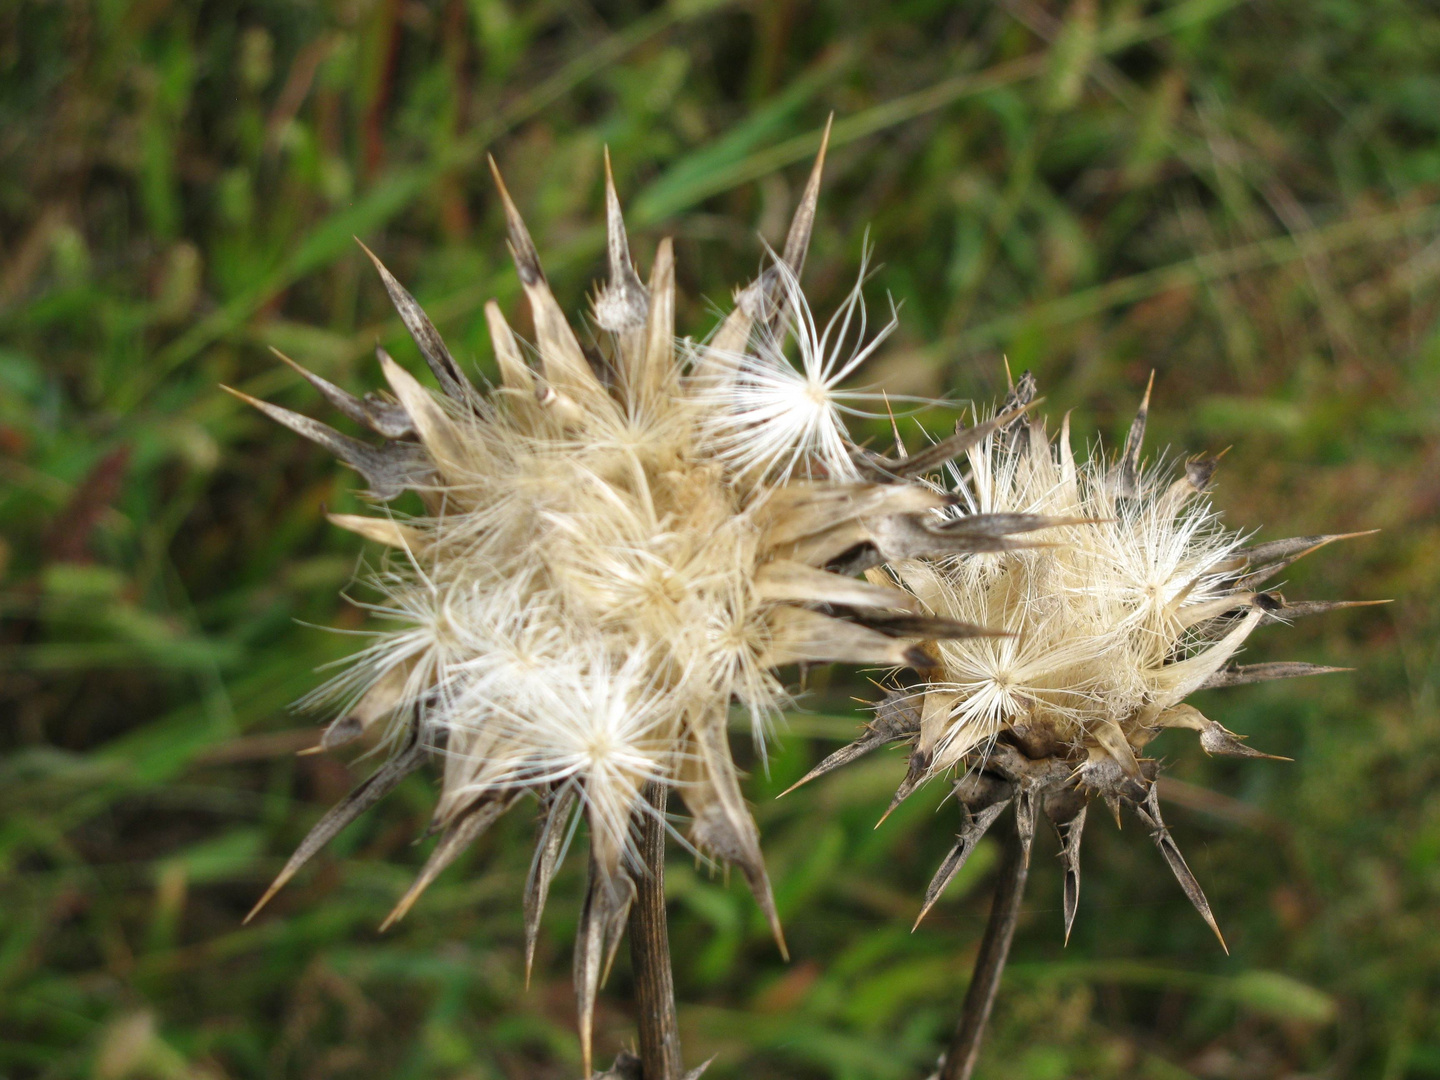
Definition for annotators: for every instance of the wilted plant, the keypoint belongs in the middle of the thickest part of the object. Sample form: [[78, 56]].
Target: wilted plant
[[1135, 599], [617, 543]]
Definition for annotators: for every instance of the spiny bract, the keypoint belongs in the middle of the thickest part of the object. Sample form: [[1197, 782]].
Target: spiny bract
[[1137, 599], [617, 544]]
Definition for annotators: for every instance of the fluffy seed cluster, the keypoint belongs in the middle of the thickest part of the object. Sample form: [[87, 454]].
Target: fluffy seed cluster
[[1136, 597], [626, 539], [618, 542]]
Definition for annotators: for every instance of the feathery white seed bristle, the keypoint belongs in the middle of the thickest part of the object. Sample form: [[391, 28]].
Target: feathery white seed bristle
[[1100, 616], [768, 417]]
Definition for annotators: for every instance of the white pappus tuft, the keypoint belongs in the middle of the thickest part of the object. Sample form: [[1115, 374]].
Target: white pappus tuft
[[767, 416], [1133, 597]]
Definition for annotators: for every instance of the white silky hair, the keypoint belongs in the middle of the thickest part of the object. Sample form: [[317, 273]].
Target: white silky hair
[[1098, 611], [765, 415]]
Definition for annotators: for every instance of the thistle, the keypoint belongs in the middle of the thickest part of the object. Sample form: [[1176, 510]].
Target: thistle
[[1136, 598], [618, 543]]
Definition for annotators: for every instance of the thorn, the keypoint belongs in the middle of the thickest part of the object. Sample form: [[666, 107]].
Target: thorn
[[1243, 674], [1287, 611], [813, 774], [1150, 814], [913, 779], [522, 247], [625, 300], [363, 796], [554, 830], [894, 720], [427, 339], [797, 241], [1025, 820], [456, 838], [1128, 469], [894, 428], [976, 825], [1304, 545], [1216, 739], [1071, 833]]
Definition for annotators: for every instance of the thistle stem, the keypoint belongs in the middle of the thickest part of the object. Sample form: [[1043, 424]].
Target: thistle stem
[[964, 1049], [650, 952]]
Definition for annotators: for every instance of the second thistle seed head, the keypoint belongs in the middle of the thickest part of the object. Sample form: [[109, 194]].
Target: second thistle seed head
[[1133, 597]]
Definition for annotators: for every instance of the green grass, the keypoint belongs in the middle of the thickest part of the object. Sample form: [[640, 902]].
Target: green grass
[[1242, 196]]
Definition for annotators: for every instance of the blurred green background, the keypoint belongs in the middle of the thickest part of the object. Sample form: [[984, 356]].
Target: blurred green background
[[1243, 196]]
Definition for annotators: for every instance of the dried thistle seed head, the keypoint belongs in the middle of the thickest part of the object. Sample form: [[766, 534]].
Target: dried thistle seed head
[[615, 547], [1130, 596]]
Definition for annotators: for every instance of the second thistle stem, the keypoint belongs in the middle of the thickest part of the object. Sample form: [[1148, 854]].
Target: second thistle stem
[[650, 951], [964, 1049]]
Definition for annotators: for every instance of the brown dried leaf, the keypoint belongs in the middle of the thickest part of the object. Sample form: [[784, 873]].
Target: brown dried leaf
[[377, 703], [947, 449], [896, 717], [1149, 813], [388, 469], [913, 536], [561, 358], [515, 373], [554, 828], [385, 531], [722, 822], [656, 372], [975, 827], [452, 380], [383, 417], [1241, 674], [436, 429], [927, 627], [459, 835], [784, 580], [365, 795], [800, 636]]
